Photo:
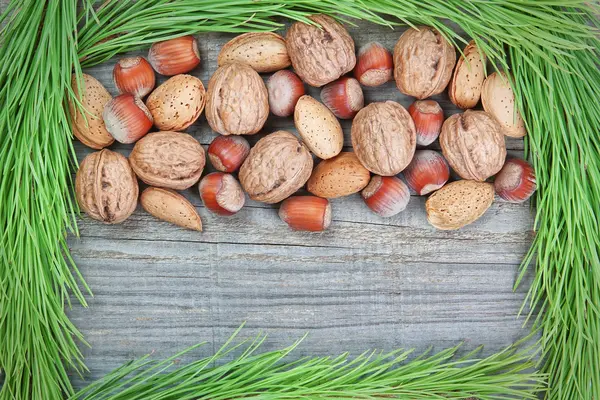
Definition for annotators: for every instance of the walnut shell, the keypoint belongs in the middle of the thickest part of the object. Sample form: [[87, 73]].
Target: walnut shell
[[322, 54], [177, 103], [106, 188], [473, 144], [465, 88], [384, 137], [170, 160], [89, 127], [237, 101], [423, 62], [277, 166]]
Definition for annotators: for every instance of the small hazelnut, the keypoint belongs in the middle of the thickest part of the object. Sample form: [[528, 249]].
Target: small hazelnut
[[306, 213], [428, 117], [386, 195], [374, 66], [285, 88], [221, 193], [127, 118], [427, 172], [343, 97], [515, 182], [227, 153], [174, 56], [134, 75]]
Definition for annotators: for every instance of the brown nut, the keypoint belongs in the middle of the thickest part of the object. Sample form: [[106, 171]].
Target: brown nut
[[237, 101], [171, 160], [320, 54], [318, 127], [277, 166], [177, 103], [473, 145], [339, 176], [170, 206], [106, 187], [263, 51], [469, 74], [498, 99], [458, 204], [88, 126], [384, 137], [423, 62]]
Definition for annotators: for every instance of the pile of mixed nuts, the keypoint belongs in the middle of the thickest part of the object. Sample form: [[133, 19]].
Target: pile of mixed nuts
[[385, 135]]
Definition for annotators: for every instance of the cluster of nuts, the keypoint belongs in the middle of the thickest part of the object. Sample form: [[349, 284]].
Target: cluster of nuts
[[389, 160]]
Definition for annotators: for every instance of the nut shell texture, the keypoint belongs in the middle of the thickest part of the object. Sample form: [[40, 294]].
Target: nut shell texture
[[384, 137], [318, 127], [473, 145], [106, 187], [170, 206], [498, 99], [277, 166], [89, 127], [237, 102], [263, 51], [322, 54], [168, 159], [467, 81], [177, 103], [340, 176], [458, 204], [423, 62]]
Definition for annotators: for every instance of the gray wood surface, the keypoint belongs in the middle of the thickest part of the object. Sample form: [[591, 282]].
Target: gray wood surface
[[368, 282]]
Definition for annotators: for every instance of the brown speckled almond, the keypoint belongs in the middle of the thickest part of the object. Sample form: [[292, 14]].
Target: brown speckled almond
[[170, 206], [498, 99], [89, 127], [318, 127], [177, 103], [458, 204], [263, 51], [469, 74], [338, 176]]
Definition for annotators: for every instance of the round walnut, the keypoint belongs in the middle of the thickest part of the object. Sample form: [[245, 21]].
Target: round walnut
[[237, 101], [106, 188], [277, 166], [473, 144], [171, 160], [322, 54], [384, 137], [423, 62]]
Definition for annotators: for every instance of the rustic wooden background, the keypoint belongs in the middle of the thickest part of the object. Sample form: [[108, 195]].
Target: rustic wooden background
[[368, 282]]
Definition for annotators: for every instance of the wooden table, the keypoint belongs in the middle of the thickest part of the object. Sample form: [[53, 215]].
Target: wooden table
[[368, 282]]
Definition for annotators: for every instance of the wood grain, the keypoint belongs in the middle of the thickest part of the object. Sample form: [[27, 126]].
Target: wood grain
[[367, 283]]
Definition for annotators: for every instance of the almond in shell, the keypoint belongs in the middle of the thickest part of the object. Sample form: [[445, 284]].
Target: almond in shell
[[340, 176], [318, 127], [263, 51], [170, 206], [458, 204], [498, 99], [88, 126], [467, 81], [177, 103], [171, 160]]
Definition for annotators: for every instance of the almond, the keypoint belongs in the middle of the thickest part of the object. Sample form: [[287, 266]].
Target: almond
[[88, 126], [318, 127], [458, 204], [263, 51], [177, 103], [469, 74], [338, 176], [498, 99], [172, 207]]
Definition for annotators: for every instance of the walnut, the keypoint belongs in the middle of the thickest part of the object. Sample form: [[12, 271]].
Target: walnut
[[423, 62], [320, 54], [237, 101], [277, 166], [106, 188], [170, 160], [473, 144], [384, 137]]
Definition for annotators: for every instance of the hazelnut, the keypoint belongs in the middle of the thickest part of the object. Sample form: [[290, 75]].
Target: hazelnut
[[134, 75], [473, 145], [285, 88], [374, 66], [221, 193], [386, 195], [170, 160], [306, 213], [227, 153], [237, 102], [428, 117], [320, 54], [106, 187], [277, 166], [384, 137], [343, 97], [127, 118], [427, 172], [175, 56], [423, 62], [515, 182]]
